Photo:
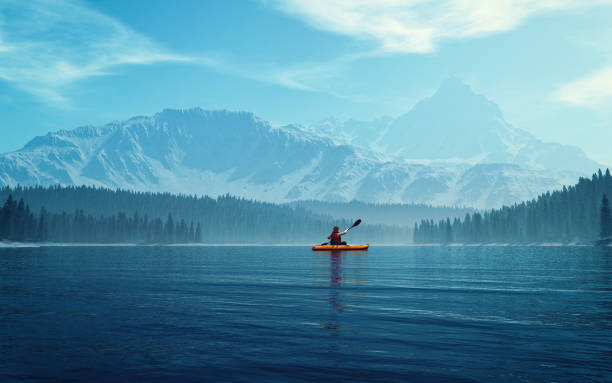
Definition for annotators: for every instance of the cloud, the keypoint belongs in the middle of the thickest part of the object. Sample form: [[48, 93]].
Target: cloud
[[312, 75], [418, 26], [47, 46], [593, 91]]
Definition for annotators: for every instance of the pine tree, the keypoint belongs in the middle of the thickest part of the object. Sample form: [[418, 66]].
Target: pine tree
[[169, 229], [8, 218], [198, 233], [606, 218], [5, 218], [448, 237], [41, 232], [20, 222]]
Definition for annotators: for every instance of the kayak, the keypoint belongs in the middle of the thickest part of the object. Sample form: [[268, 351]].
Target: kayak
[[340, 247]]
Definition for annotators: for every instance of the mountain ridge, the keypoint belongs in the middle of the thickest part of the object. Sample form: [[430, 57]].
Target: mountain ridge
[[480, 134], [217, 152]]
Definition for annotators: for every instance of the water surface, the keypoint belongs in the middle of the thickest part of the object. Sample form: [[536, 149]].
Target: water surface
[[286, 314]]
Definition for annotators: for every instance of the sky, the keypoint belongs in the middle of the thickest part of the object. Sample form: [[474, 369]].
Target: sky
[[68, 63]]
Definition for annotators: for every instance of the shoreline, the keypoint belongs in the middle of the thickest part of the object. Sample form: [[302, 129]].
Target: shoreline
[[9, 245]]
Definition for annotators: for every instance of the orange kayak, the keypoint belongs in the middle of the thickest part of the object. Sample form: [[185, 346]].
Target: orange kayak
[[340, 247]]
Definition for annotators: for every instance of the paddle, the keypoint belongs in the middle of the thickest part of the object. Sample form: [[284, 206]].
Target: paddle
[[347, 229], [355, 224]]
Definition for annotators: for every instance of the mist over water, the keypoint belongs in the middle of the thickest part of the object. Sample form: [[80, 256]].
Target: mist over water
[[427, 314]]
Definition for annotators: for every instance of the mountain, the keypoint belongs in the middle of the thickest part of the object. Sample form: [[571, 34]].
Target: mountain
[[451, 149], [217, 152], [456, 124]]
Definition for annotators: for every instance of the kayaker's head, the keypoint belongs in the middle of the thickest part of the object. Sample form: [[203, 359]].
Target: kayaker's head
[[336, 229]]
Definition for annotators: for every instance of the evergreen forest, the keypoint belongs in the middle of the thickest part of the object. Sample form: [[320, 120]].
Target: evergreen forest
[[404, 214], [87, 214], [575, 214]]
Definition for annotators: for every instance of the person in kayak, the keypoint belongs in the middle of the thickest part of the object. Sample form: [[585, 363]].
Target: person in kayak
[[335, 238]]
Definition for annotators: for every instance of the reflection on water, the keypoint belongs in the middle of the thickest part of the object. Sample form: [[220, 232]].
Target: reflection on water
[[335, 291], [340, 274]]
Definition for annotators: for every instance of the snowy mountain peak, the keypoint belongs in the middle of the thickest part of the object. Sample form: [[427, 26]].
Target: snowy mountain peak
[[459, 100], [453, 88], [217, 152], [456, 124]]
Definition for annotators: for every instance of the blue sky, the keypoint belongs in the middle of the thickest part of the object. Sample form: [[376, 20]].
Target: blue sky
[[548, 64]]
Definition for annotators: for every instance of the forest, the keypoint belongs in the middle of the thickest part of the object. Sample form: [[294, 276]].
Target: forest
[[578, 213], [401, 214], [87, 214]]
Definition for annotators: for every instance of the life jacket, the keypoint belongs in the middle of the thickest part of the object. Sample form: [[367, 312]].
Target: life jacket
[[335, 236]]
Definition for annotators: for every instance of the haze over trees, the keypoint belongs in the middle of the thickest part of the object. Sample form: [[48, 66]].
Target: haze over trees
[[96, 215], [605, 218], [405, 214], [573, 214], [87, 214]]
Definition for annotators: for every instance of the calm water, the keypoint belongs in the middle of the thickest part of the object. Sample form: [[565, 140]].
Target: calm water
[[286, 314]]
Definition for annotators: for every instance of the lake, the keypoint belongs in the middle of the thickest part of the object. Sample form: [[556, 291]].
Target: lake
[[286, 314]]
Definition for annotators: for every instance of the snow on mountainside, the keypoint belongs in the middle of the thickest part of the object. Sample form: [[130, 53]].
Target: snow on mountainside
[[218, 152], [453, 148], [459, 125]]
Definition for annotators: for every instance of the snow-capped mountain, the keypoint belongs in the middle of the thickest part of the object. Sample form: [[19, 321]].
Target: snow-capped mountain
[[456, 124], [406, 159], [217, 152]]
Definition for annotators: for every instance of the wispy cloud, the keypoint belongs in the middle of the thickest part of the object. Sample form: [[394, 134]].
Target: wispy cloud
[[314, 75], [46, 46], [265, 72], [593, 91], [418, 26], [300, 76]]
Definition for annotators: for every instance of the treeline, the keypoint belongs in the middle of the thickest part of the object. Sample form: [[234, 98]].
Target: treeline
[[101, 201], [404, 214], [97, 215], [19, 223], [575, 214]]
